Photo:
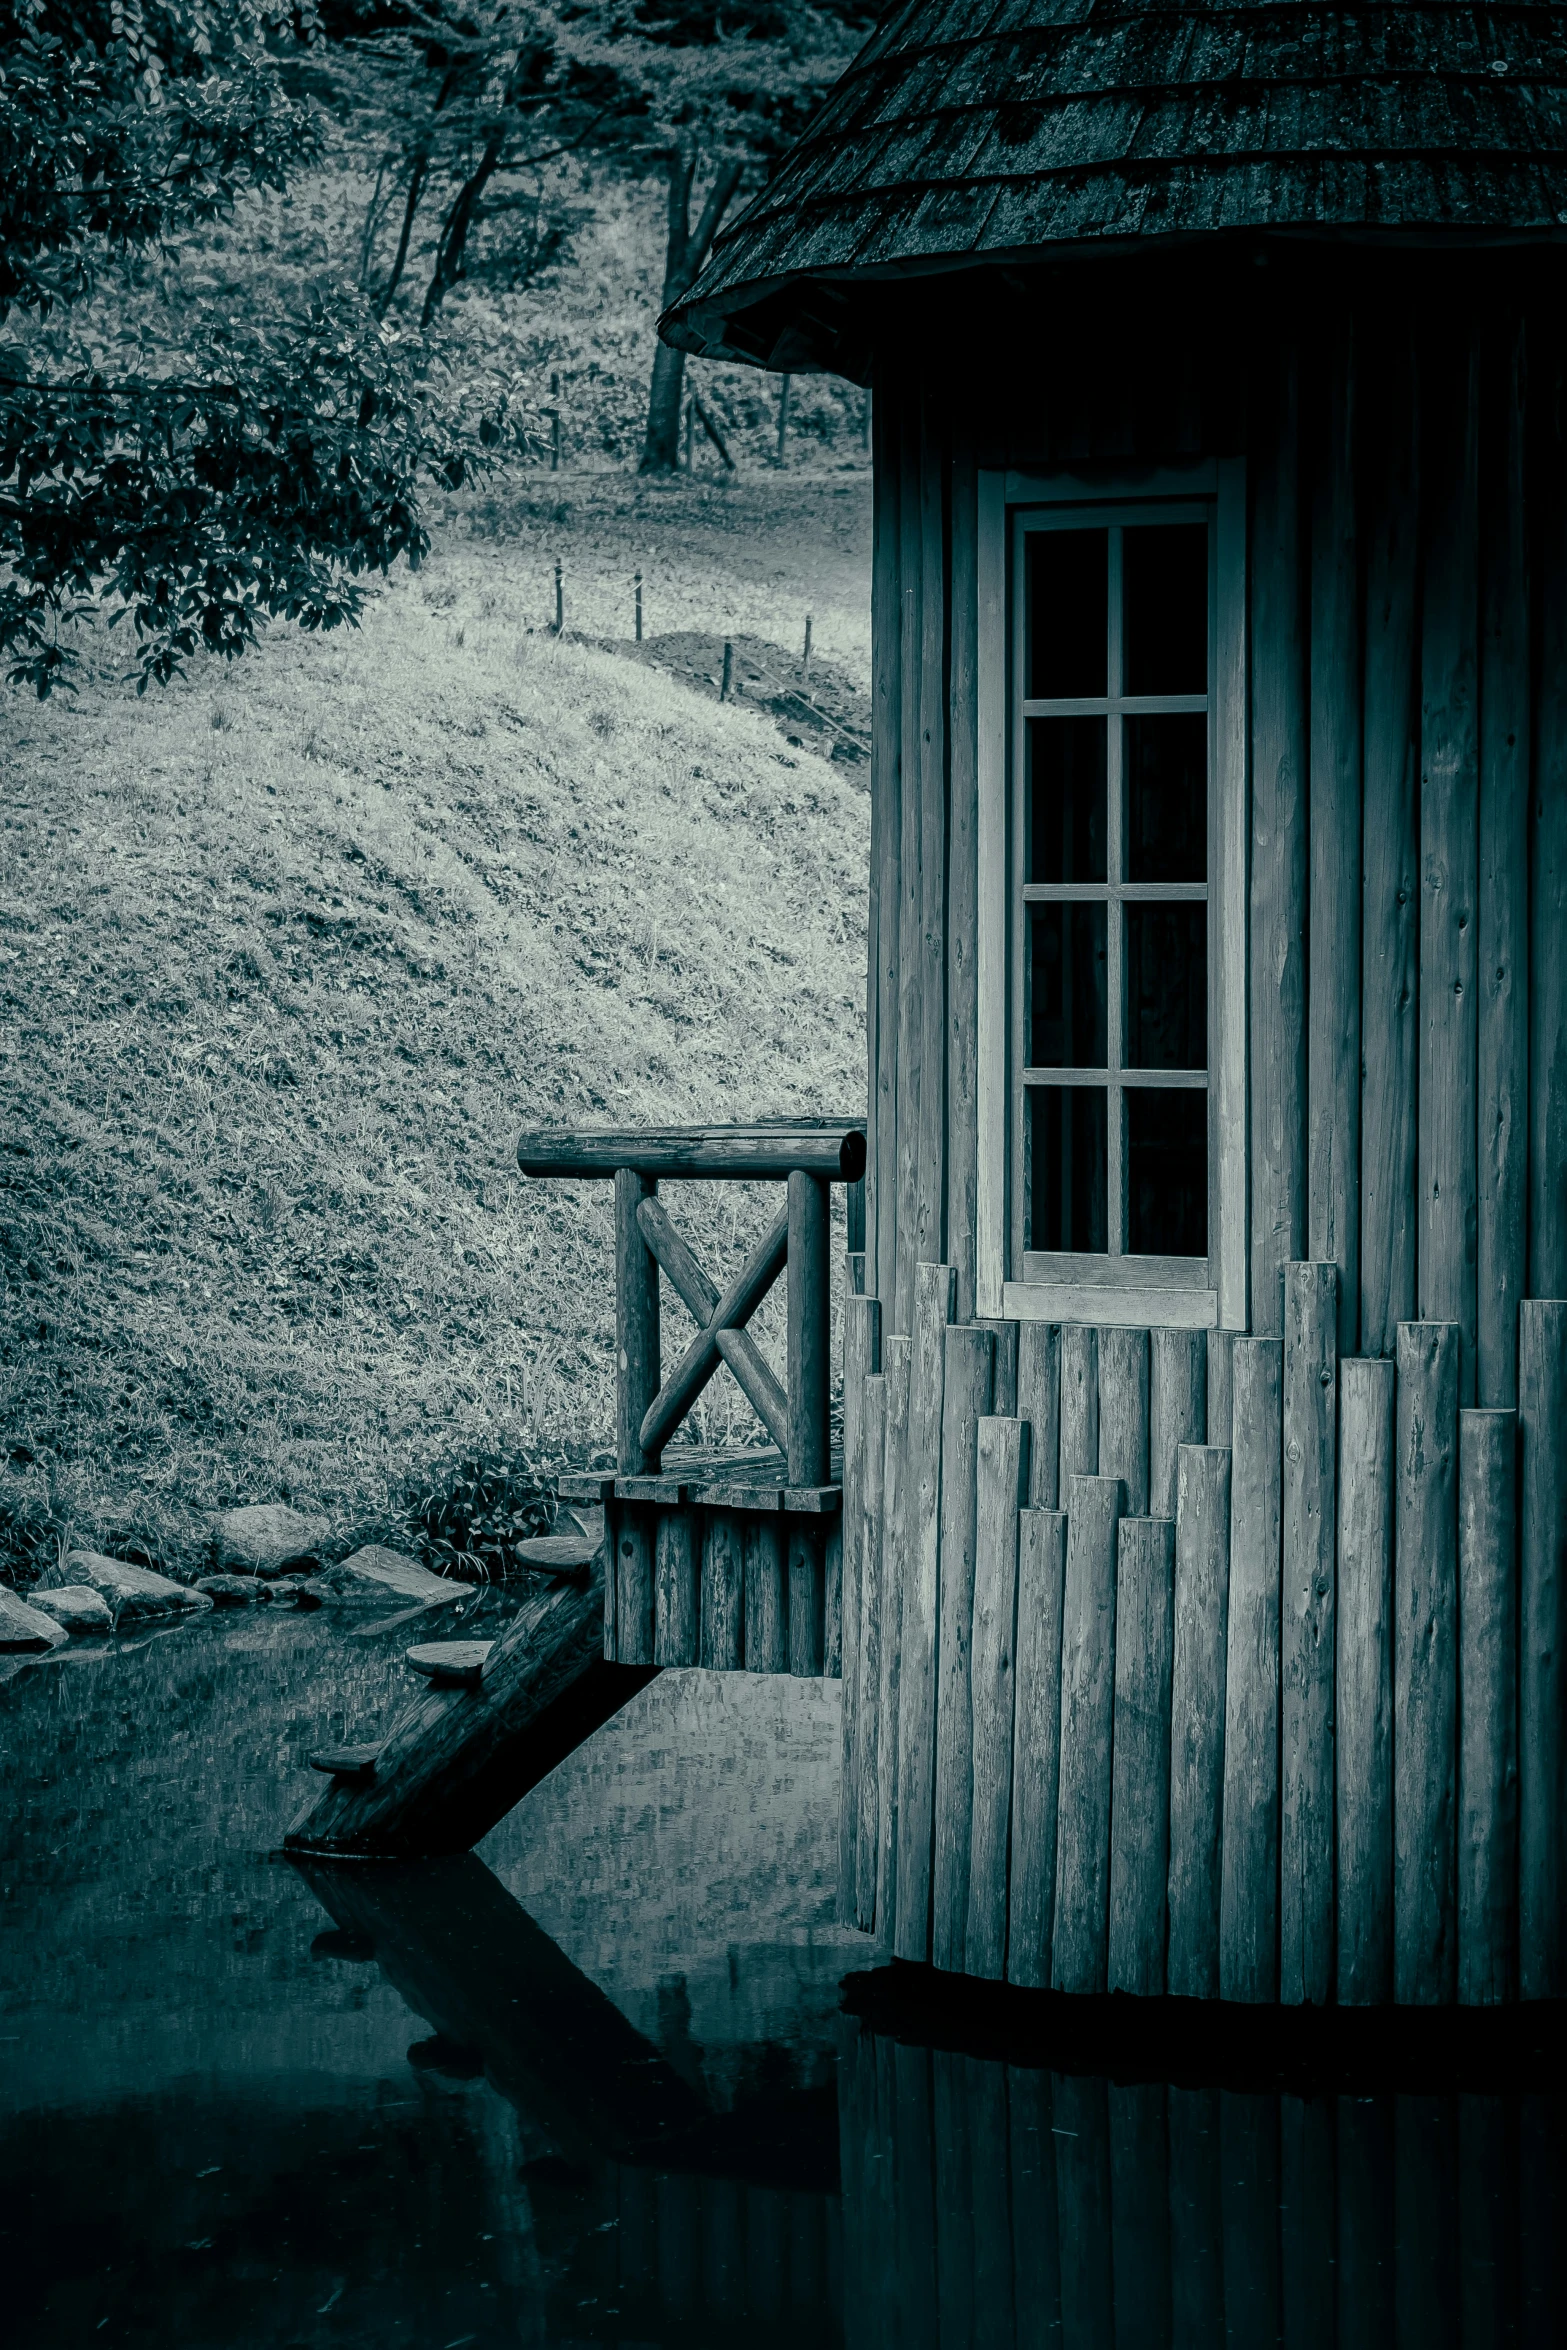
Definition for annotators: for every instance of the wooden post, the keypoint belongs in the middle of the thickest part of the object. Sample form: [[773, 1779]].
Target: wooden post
[[1548, 838], [805, 655], [933, 1296], [868, 1726], [1036, 1745], [1306, 1635], [555, 441], [1488, 1702], [1081, 2133], [1202, 1575], [1140, 1791], [966, 1397], [1248, 1905], [1140, 2212], [1196, 2227], [1364, 1688], [1425, 1665], [1123, 1414], [676, 1573], [1177, 1408], [1039, 1403], [861, 1356], [881, 995], [560, 599], [611, 1579], [636, 581], [930, 974], [906, 910], [638, 1376], [1542, 1692], [726, 681], [1079, 1406], [1082, 1903], [634, 1583], [1220, 1384], [832, 1601], [810, 1329], [962, 911], [766, 1620], [723, 1594], [1004, 1384], [896, 1514], [807, 1549], [1001, 1485]]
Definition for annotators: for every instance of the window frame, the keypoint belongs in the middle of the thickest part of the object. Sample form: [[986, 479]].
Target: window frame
[[1192, 1292]]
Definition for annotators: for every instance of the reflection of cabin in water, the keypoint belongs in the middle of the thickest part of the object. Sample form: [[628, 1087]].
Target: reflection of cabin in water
[[1204, 1525]]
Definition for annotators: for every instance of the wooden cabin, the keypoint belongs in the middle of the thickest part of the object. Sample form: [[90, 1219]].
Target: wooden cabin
[[1205, 1479]]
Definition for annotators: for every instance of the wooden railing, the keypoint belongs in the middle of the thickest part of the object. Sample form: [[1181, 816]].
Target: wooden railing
[[807, 1155]]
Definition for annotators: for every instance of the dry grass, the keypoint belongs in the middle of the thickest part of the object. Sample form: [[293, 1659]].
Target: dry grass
[[290, 952]]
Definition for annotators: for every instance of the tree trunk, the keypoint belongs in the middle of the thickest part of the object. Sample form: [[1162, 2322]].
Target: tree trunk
[[453, 245], [400, 258], [685, 253]]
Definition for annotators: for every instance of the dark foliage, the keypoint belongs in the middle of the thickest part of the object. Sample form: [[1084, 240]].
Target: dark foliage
[[466, 1518]]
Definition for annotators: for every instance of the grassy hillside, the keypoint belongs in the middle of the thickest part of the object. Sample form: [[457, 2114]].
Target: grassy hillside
[[289, 952]]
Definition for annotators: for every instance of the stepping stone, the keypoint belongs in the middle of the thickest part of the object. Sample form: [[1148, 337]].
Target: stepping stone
[[229, 1590], [346, 1762], [135, 1594], [24, 1630], [376, 1573], [267, 1538], [76, 1607], [451, 1660], [557, 1554]]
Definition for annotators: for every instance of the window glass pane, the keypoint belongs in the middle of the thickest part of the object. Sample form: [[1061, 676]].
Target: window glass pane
[[1068, 1154], [1167, 987], [1068, 613], [1068, 995], [1165, 575], [1066, 799], [1167, 1171], [1166, 797]]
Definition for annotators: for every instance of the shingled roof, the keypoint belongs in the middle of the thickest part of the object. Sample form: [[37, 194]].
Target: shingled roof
[[975, 131]]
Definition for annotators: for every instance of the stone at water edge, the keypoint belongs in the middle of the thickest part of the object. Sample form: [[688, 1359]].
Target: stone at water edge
[[297, 1591], [24, 1630], [135, 1594], [230, 1590], [375, 1572], [266, 1538], [77, 1607]]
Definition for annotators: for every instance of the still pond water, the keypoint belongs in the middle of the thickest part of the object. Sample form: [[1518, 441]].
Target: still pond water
[[593, 2084]]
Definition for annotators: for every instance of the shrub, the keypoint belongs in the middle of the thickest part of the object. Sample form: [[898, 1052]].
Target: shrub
[[466, 1520]]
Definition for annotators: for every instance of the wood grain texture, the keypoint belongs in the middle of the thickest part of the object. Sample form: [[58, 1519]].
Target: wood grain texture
[[1425, 1665], [1249, 1890], [1220, 1397], [1502, 927], [963, 874], [933, 1296], [722, 1627], [1036, 1745], [636, 1325], [1548, 843], [1542, 1694], [677, 1569], [966, 1396], [1039, 1403], [634, 1584], [1333, 961], [1306, 1636], [1080, 1936], [832, 1602], [1364, 1688], [1001, 1485], [1202, 1573], [910, 960], [806, 1572], [1004, 1383], [810, 1331], [1079, 1406], [766, 1595], [881, 996], [1177, 1407], [1449, 841], [1390, 842], [1140, 1763], [930, 1216], [867, 1754], [1123, 1413], [896, 1516], [1279, 840], [1488, 1707], [861, 1356]]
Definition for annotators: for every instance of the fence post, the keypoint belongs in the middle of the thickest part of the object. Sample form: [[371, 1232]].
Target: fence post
[[809, 1330], [636, 1325]]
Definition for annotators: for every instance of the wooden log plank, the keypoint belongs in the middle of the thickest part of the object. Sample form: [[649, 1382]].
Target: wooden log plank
[[1306, 2216], [832, 1600], [868, 1726], [807, 1562], [771, 1149], [966, 1396], [1248, 1905], [1140, 2212], [1039, 1403], [722, 1628], [676, 1577], [1001, 1485], [1079, 1941], [1004, 1385], [1036, 2251], [1390, 841], [1036, 1746], [1425, 2208], [1202, 1574], [1306, 1637], [910, 901], [1279, 840], [1177, 1408], [962, 927], [1140, 1771], [1489, 2308], [1220, 1387], [881, 997], [766, 1595], [1502, 926], [611, 1577], [636, 1326], [1083, 2210], [1123, 1413], [1548, 844], [1542, 1692], [1364, 1685], [634, 1583], [933, 1301], [952, 2149], [861, 1356], [1449, 842], [1425, 1665], [1364, 2239], [810, 1331], [1196, 2226], [896, 1514], [1488, 1707], [724, 1341], [1249, 2194], [1079, 1406], [1333, 961], [930, 1236]]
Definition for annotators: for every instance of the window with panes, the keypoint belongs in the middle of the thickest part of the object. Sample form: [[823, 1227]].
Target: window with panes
[[1111, 759]]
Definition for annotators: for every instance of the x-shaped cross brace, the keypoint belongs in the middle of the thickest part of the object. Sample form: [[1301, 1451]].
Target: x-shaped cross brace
[[721, 1335]]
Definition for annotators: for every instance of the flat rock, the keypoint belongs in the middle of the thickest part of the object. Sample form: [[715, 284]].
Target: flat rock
[[76, 1607], [450, 1660], [230, 1590], [568, 1555], [135, 1594], [24, 1630], [266, 1538], [376, 1572], [290, 1591]]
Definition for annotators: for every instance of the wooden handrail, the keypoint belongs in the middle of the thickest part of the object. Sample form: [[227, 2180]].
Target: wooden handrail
[[830, 1147]]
